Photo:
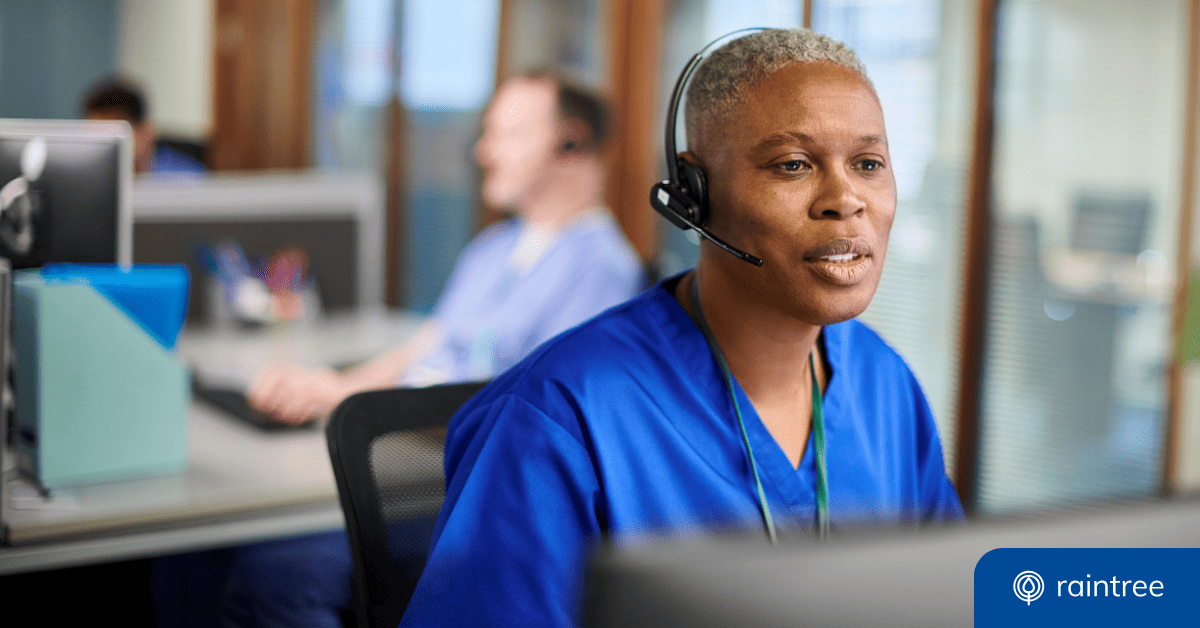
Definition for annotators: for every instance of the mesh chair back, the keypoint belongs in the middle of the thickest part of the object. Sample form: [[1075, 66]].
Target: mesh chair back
[[386, 447]]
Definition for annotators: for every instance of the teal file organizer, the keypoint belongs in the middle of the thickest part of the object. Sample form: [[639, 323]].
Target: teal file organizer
[[101, 395]]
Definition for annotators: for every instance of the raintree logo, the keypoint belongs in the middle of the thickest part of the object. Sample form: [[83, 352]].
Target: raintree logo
[[1086, 586], [1028, 586]]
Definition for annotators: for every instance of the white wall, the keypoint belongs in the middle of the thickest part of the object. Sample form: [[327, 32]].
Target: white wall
[[168, 45]]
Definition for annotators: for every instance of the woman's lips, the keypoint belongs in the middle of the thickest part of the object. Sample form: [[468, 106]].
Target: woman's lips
[[840, 246], [844, 261]]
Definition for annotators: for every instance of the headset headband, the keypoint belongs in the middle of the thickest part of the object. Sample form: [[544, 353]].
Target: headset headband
[[677, 95]]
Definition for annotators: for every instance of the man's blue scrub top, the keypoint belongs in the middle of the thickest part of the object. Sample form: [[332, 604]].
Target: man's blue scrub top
[[624, 425], [493, 314]]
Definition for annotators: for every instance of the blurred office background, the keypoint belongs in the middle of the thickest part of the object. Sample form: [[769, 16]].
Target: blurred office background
[[1044, 154]]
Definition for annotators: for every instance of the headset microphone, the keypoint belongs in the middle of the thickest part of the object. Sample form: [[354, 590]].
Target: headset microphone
[[683, 199], [665, 197]]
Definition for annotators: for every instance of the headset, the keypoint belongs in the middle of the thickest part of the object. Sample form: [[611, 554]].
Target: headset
[[683, 198]]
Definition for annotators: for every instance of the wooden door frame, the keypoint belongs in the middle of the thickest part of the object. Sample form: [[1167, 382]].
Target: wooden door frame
[[975, 280], [1183, 256], [240, 72], [635, 58]]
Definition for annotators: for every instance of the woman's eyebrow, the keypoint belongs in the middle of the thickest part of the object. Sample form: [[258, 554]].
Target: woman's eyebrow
[[870, 140], [782, 138]]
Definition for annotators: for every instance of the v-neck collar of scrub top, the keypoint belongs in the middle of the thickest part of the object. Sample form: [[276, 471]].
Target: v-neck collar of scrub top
[[795, 488]]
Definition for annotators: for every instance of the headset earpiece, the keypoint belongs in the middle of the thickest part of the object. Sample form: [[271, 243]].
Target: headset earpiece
[[685, 203], [694, 182], [674, 204]]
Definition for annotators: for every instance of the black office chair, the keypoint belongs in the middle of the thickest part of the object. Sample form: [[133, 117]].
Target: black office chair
[[386, 447]]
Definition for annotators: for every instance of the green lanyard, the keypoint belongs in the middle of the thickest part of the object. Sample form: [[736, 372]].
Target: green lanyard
[[818, 426]]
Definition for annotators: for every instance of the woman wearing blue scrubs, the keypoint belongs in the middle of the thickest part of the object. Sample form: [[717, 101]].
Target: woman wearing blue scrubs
[[733, 396]]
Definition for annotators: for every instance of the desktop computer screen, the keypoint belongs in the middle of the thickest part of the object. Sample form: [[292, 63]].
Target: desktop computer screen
[[76, 190], [870, 578]]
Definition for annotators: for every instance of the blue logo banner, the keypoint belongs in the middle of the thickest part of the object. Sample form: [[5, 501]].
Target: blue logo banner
[[1087, 587]]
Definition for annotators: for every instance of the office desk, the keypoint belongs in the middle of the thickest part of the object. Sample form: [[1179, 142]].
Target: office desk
[[241, 485]]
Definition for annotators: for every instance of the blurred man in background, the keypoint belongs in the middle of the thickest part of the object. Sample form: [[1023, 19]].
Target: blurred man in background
[[120, 99], [559, 260]]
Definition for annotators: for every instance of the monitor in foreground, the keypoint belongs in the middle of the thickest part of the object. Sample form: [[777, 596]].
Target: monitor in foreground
[[874, 579]]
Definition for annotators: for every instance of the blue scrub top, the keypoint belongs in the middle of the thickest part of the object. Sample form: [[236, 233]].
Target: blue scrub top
[[495, 310], [624, 426], [168, 162]]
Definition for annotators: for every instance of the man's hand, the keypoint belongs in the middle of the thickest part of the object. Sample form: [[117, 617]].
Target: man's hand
[[297, 395]]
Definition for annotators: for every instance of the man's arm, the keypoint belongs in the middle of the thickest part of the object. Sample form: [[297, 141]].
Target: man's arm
[[386, 369], [295, 394]]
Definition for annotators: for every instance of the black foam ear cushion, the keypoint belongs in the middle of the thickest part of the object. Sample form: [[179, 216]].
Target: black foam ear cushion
[[695, 182]]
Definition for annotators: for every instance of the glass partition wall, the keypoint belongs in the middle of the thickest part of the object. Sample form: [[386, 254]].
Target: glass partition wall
[[1086, 176], [440, 40]]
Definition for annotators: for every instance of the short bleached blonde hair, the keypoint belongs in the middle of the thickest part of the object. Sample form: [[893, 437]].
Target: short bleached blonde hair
[[723, 79]]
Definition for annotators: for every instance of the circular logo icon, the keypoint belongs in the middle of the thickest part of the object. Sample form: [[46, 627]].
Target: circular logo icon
[[1028, 586]]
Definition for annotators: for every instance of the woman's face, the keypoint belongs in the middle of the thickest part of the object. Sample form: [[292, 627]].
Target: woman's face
[[800, 175]]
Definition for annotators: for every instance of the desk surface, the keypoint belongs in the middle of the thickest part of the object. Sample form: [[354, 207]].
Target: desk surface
[[241, 485]]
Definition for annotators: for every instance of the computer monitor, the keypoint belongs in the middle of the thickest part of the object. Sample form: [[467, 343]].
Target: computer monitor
[[83, 191], [873, 578]]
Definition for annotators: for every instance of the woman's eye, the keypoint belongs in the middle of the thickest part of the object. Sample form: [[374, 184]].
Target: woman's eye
[[793, 166]]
